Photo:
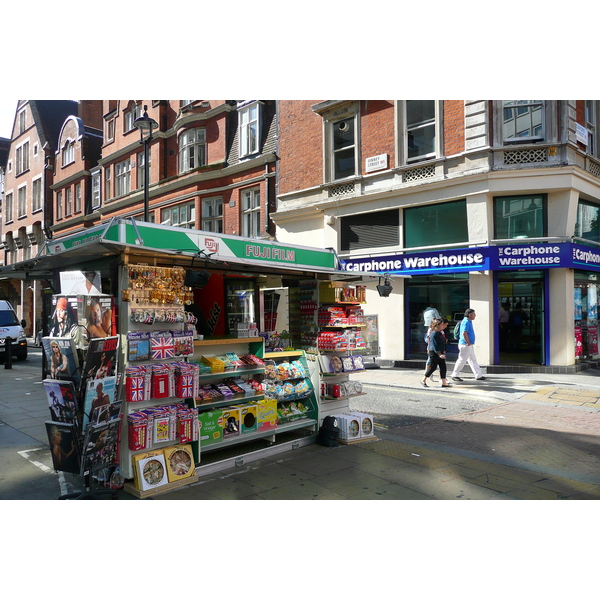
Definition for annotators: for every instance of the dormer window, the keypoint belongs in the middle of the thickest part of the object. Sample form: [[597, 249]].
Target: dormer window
[[249, 119], [68, 153]]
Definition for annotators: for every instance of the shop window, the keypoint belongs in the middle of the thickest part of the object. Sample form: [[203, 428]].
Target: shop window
[[518, 217], [436, 224], [586, 294], [371, 230], [523, 120], [588, 222]]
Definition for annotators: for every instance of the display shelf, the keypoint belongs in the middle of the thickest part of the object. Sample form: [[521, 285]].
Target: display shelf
[[221, 403], [302, 423], [130, 488]]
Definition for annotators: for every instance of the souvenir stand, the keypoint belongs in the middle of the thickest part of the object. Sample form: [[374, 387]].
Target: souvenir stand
[[189, 397]]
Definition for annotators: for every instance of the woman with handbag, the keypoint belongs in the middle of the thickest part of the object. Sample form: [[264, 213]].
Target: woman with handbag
[[436, 353]]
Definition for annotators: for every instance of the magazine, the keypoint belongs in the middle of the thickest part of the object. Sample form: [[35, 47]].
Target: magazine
[[98, 393], [64, 446], [63, 362], [100, 359], [100, 445], [62, 400]]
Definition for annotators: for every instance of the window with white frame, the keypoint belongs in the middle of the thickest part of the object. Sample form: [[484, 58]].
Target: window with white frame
[[251, 213], [22, 158], [123, 177], [140, 168], [68, 153], [131, 115], [36, 194], [343, 148], [22, 201], [192, 149], [249, 126], [523, 120], [96, 189], [22, 122], [107, 189], [212, 214], [59, 205], [77, 207], [8, 208], [591, 123], [183, 215], [68, 202], [109, 130], [421, 122]]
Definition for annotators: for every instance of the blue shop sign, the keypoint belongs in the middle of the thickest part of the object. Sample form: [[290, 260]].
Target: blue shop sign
[[511, 257]]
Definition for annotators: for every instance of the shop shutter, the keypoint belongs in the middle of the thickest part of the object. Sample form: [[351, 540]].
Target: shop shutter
[[370, 230]]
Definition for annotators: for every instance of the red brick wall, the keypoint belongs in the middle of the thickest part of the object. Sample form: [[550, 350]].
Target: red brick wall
[[454, 127], [300, 146], [377, 130]]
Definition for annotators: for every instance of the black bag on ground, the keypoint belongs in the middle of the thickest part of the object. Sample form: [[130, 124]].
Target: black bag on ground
[[329, 432]]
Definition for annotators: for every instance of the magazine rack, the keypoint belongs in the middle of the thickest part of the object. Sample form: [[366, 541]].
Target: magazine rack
[[88, 493]]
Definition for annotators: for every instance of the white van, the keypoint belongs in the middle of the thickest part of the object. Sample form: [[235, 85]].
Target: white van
[[10, 327]]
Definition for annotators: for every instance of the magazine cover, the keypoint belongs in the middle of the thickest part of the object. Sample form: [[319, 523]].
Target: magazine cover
[[100, 358], [95, 315], [62, 358], [62, 400], [64, 446], [98, 393], [80, 282], [64, 321], [100, 445]]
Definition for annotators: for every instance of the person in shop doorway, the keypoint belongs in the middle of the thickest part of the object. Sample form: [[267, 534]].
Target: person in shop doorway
[[428, 314], [515, 325], [466, 350], [503, 317]]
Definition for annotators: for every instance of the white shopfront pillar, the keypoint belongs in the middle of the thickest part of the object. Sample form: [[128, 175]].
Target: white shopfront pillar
[[481, 290], [562, 314]]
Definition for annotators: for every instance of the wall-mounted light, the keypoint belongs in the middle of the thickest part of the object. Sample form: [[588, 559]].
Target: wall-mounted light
[[384, 289]]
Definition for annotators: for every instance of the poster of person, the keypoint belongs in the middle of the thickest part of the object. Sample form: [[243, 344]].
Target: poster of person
[[62, 400], [100, 445], [98, 396], [64, 320], [97, 316], [87, 283], [100, 359], [62, 358], [64, 446], [372, 335]]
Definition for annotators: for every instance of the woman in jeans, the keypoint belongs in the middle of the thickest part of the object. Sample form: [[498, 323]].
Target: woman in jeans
[[437, 354]]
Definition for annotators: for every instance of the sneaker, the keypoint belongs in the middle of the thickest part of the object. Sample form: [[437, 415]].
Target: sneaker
[[456, 379], [481, 378]]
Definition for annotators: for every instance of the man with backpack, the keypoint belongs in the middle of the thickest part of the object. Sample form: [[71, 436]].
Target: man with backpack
[[466, 351]]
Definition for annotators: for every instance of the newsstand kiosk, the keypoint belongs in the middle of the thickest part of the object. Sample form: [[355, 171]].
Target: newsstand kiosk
[[170, 370]]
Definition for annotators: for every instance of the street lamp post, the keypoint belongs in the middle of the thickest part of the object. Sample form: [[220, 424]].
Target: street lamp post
[[146, 125]]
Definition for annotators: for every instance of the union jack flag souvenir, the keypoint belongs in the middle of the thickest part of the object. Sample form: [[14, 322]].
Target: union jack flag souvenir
[[162, 347]]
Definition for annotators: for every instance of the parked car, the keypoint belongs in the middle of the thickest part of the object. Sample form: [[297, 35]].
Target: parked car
[[12, 328]]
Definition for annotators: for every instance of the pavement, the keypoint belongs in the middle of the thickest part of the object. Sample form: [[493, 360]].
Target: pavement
[[538, 440]]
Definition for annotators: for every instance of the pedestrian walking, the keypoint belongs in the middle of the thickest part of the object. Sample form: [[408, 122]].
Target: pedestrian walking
[[437, 353], [466, 350]]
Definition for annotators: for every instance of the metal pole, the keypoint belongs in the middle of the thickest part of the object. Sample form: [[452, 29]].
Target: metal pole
[[146, 174]]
